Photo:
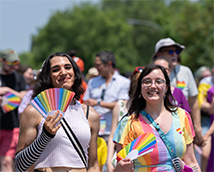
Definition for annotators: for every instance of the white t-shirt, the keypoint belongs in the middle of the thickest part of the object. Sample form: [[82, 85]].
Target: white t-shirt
[[182, 77]]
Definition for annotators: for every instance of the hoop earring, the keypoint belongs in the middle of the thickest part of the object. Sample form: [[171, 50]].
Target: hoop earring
[[164, 95]]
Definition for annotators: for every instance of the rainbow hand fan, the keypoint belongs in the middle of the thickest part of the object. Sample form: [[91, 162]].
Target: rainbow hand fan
[[140, 146], [10, 102], [49, 101]]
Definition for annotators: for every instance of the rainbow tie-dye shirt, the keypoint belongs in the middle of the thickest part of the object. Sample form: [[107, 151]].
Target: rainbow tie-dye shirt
[[180, 134]]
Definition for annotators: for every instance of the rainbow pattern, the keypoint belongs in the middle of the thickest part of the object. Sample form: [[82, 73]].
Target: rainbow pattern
[[179, 130], [180, 85], [10, 102], [143, 144], [51, 100], [102, 125]]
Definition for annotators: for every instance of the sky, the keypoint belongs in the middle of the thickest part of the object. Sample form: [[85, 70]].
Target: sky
[[20, 19]]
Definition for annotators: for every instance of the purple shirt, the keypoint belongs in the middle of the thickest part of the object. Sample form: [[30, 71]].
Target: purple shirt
[[181, 100], [25, 101], [210, 166]]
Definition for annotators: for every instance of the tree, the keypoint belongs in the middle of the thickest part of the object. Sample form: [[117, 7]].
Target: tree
[[191, 24], [88, 30]]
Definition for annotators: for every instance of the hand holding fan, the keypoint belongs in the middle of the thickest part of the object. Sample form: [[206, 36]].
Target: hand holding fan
[[10, 102], [140, 146], [49, 101]]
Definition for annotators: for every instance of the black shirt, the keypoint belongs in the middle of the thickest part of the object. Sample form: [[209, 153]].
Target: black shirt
[[15, 81]]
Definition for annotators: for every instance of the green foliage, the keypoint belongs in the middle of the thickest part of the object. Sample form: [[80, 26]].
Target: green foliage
[[191, 24], [89, 28], [26, 58]]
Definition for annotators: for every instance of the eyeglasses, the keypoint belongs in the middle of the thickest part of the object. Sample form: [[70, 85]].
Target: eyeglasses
[[148, 82], [172, 51], [137, 70], [15, 63], [103, 94]]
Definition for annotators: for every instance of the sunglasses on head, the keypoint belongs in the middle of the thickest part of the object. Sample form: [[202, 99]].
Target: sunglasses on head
[[15, 63], [137, 70]]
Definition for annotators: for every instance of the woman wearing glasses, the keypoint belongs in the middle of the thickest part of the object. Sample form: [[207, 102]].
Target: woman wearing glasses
[[150, 111]]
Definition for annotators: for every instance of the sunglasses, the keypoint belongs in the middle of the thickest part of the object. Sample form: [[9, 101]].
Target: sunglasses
[[15, 63], [103, 94], [172, 51], [137, 70]]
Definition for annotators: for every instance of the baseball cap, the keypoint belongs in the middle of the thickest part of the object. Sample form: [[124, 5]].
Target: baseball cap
[[79, 63], [10, 55], [165, 43]]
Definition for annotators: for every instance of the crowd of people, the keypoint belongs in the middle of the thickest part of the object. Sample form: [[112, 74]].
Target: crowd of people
[[108, 112]]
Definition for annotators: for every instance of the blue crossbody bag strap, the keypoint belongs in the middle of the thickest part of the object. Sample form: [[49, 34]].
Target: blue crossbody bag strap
[[161, 133], [175, 159]]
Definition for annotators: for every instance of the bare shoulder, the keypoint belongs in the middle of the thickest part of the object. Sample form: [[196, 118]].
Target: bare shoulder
[[30, 116], [92, 114]]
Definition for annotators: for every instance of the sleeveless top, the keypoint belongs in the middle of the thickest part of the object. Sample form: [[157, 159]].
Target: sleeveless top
[[60, 151]]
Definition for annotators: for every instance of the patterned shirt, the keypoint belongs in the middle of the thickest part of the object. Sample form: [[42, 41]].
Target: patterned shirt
[[180, 134]]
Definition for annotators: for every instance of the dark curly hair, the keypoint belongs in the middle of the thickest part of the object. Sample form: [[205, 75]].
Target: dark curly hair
[[43, 81], [139, 103]]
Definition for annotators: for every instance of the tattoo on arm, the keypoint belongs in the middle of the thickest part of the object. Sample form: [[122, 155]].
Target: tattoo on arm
[[195, 169]]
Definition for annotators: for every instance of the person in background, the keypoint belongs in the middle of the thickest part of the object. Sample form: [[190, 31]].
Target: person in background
[[210, 132], [206, 110], [181, 77], [150, 111], [27, 73], [119, 110], [27, 97], [105, 90], [201, 73], [80, 64], [92, 72], [180, 99], [45, 144], [10, 81]]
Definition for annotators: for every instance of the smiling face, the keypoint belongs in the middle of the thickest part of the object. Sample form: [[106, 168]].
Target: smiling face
[[157, 89], [61, 72]]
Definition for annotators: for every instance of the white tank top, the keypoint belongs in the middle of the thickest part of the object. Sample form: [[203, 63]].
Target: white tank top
[[60, 151]]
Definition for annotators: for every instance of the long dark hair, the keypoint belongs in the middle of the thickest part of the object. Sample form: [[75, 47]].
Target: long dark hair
[[43, 81], [138, 103]]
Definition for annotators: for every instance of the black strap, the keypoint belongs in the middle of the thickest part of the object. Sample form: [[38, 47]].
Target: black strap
[[75, 142], [87, 112]]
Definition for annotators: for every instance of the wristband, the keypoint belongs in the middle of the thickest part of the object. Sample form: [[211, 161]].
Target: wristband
[[98, 103]]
